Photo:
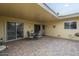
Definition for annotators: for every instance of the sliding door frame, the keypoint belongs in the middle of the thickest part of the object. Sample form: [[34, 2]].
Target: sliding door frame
[[6, 40]]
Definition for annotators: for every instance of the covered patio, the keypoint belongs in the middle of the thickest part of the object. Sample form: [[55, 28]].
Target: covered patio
[[58, 32]]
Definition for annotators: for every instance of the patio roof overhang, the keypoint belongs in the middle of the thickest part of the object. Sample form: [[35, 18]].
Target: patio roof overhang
[[27, 11]]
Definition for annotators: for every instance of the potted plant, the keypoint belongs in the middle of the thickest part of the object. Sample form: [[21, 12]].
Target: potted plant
[[1, 42], [2, 45]]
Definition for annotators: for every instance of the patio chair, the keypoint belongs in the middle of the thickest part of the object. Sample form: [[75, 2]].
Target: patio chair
[[32, 35], [29, 35]]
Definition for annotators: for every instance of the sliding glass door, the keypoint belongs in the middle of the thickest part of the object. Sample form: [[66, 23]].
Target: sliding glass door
[[14, 30], [19, 30]]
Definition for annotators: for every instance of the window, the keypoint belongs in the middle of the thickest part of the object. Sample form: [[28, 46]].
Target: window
[[70, 25]]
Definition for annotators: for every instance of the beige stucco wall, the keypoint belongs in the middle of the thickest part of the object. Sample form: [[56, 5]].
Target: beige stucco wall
[[28, 25], [59, 31]]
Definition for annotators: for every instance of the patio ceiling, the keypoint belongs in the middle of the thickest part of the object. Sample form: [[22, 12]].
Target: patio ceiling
[[28, 11]]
